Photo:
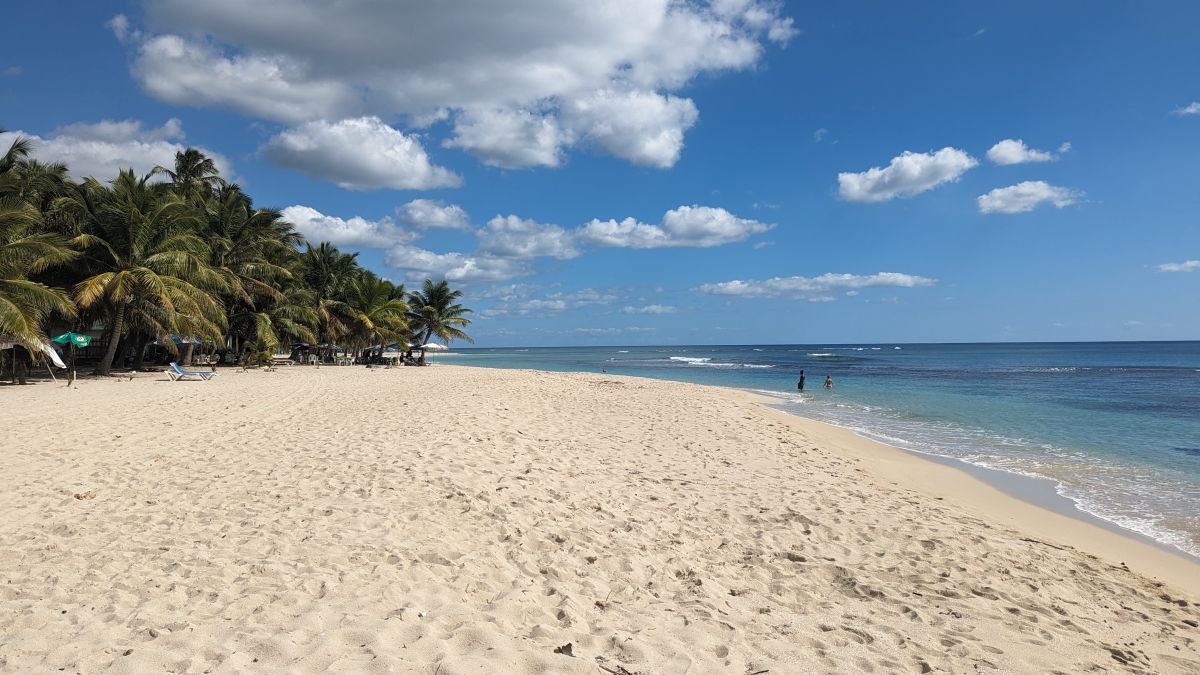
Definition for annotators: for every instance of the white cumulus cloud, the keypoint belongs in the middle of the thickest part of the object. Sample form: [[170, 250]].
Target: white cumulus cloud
[[514, 237], [509, 138], [643, 127], [514, 67], [1014, 151], [358, 154], [430, 213], [419, 263], [686, 226], [275, 87], [1185, 266], [1192, 108], [814, 288], [1026, 196], [101, 149], [356, 231], [907, 175]]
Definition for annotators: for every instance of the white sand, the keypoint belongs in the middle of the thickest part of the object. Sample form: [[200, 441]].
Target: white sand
[[454, 520]]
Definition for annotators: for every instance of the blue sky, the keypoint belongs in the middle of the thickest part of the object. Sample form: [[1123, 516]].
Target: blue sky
[[505, 151]]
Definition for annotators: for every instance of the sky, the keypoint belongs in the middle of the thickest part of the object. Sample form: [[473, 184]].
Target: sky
[[652, 172]]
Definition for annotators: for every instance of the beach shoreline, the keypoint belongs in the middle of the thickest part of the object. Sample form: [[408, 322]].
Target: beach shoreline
[[455, 519], [1037, 491], [1016, 502]]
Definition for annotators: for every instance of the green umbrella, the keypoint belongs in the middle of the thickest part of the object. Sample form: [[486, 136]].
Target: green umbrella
[[75, 340]]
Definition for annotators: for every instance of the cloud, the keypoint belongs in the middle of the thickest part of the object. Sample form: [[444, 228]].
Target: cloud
[[649, 309], [1134, 323], [1014, 151], [611, 330], [358, 154], [907, 175], [429, 213], [516, 301], [119, 25], [610, 67], [643, 127], [1185, 266], [12, 71], [356, 231], [103, 148], [820, 134], [418, 263], [686, 226], [1192, 108], [513, 237], [509, 139], [1026, 196], [507, 292], [817, 288], [274, 87]]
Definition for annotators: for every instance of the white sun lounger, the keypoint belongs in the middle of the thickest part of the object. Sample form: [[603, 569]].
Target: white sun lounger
[[176, 373]]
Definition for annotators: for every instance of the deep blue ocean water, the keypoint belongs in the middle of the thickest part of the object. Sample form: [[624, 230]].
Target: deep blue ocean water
[[1116, 425]]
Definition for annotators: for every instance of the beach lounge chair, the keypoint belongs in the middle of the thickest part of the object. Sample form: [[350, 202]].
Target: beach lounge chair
[[176, 373]]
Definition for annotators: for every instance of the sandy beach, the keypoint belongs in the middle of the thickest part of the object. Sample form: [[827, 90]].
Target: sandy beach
[[464, 520]]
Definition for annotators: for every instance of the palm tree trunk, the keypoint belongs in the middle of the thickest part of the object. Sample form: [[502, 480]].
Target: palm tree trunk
[[139, 355], [123, 350], [114, 337]]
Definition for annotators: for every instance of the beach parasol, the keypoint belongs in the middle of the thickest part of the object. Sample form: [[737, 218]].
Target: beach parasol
[[433, 347], [75, 340]]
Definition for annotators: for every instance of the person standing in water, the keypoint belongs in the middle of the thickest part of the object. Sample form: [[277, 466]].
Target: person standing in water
[[800, 384], [828, 382]]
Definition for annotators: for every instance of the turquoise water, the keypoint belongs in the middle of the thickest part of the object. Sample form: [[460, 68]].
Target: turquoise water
[[1115, 425]]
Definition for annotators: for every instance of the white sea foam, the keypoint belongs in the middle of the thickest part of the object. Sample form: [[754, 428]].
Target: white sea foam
[[704, 362], [1094, 485], [822, 355]]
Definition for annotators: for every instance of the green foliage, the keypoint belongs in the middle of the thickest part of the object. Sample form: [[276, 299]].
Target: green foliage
[[26, 249], [436, 313], [181, 252]]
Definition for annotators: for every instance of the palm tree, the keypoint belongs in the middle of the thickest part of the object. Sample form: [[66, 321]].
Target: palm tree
[[195, 174], [145, 260], [253, 249], [284, 320], [376, 311], [436, 312], [24, 250], [328, 272]]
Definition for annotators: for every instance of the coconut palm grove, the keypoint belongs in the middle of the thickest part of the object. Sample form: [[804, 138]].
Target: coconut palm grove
[[181, 262]]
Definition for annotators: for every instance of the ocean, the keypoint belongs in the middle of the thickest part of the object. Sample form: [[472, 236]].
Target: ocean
[[1115, 425]]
